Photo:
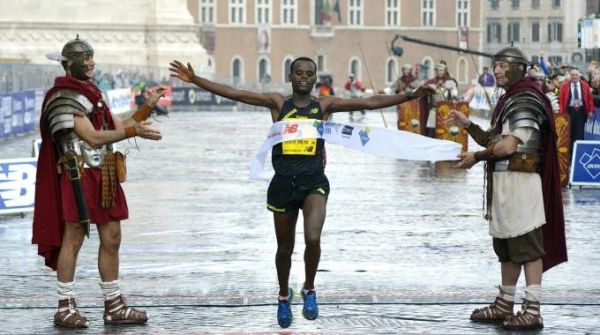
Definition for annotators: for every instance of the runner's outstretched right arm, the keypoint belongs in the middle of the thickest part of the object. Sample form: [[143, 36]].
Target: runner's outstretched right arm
[[186, 73]]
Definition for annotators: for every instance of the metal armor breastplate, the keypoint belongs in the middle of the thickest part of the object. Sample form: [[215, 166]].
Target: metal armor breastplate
[[93, 157], [60, 110], [524, 111]]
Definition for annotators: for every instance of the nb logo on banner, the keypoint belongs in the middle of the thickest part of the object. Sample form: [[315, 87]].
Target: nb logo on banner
[[17, 185], [591, 163], [585, 164]]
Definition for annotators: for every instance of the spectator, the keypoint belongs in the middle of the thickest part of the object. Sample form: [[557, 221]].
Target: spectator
[[486, 79], [575, 98], [356, 89]]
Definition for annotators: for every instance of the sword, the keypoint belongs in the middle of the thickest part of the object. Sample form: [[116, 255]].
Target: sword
[[75, 177]]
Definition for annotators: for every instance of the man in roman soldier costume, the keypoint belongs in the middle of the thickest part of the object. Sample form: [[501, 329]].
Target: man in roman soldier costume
[[406, 82], [446, 89], [524, 202], [77, 182]]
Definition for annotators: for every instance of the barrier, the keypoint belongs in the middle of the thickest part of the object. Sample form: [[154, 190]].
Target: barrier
[[195, 96], [18, 113], [592, 127], [585, 165], [17, 185]]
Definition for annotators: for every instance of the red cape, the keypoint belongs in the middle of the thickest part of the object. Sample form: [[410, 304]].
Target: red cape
[[555, 244], [47, 216]]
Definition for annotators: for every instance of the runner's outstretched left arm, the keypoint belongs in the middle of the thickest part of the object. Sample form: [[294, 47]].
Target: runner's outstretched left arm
[[332, 104]]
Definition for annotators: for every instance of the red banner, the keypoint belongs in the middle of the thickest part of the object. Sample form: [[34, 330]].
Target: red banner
[[410, 116], [451, 133], [563, 144]]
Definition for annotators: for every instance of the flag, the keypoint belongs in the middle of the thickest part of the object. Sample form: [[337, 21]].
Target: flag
[[326, 11], [336, 8]]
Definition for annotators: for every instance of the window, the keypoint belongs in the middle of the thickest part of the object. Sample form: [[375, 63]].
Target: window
[[535, 4], [264, 71], [514, 32], [355, 68], [392, 13], [555, 32], [427, 13], [555, 3], [320, 62], [286, 70], [494, 32], [462, 11], [391, 71], [515, 4], [495, 4], [288, 12], [236, 11], [355, 12], [556, 60], [535, 32], [237, 71], [207, 11], [263, 11]]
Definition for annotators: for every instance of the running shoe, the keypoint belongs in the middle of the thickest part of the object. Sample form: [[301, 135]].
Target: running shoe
[[310, 311], [284, 310]]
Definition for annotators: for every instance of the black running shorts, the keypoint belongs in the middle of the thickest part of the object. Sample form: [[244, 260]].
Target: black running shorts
[[287, 193]]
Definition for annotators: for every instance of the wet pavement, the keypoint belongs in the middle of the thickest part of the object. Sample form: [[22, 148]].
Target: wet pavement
[[404, 249]]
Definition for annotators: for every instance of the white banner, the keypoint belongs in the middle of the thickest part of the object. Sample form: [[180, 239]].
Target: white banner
[[377, 141], [119, 100]]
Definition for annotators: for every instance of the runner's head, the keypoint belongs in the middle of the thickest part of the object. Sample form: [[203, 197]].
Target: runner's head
[[303, 75]]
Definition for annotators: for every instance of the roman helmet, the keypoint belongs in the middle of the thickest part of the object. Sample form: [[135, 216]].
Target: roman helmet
[[71, 50], [516, 60]]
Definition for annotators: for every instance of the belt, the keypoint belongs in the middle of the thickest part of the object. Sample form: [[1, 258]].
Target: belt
[[501, 166]]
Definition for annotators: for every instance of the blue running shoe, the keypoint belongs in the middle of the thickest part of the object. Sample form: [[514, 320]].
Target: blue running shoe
[[284, 311], [310, 311]]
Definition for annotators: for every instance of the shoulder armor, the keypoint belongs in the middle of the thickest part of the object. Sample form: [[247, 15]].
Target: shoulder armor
[[524, 110], [75, 98], [62, 106]]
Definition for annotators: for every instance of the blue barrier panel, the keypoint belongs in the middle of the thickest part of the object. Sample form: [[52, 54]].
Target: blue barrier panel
[[6, 113], [592, 127], [585, 165], [196, 96], [17, 185], [18, 112], [29, 116]]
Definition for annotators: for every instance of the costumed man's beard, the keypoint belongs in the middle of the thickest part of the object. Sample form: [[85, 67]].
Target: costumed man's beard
[[78, 69], [513, 74]]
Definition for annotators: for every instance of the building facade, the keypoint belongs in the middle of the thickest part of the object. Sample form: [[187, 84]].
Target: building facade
[[254, 41], [133, 32], [537, 27]]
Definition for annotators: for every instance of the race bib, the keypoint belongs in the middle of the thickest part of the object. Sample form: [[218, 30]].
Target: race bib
[[307, 146], [300, 147]]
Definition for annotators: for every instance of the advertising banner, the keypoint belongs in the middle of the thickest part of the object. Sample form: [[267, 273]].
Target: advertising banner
[[17, 185], [196, 96], [592, 127], [119, 100], [6, 108], [585, 166]]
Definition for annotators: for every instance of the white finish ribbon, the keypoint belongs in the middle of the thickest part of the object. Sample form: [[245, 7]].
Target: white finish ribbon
[[377, 141]]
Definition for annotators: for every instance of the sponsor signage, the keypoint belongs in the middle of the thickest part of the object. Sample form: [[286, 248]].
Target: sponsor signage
[[17, 185], [17, 113], [592, 127], [196, 96], [585, 163]]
